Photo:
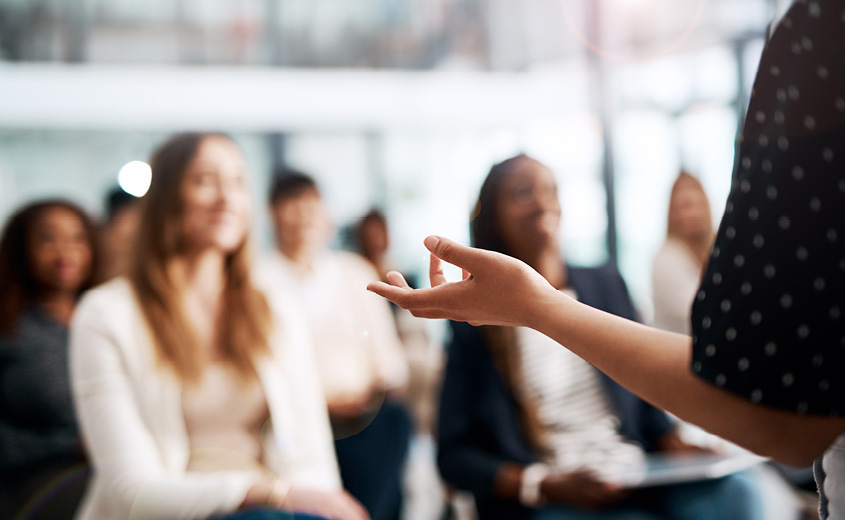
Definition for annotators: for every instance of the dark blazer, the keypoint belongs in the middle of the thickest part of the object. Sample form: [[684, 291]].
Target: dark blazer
[[478, 426]]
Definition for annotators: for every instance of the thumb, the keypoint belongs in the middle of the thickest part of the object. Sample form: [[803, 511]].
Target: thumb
[[453, 252]]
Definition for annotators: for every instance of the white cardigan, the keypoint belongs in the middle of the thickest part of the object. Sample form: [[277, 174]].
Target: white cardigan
[[129, 409]]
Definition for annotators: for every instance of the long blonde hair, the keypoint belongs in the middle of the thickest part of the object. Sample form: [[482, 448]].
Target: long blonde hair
[[699, 246], [245, 316]]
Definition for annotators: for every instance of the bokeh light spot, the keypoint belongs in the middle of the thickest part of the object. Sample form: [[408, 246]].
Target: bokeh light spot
[[135, 177]]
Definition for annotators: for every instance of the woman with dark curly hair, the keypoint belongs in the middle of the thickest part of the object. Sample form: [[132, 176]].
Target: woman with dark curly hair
[[47, 254], [533, 431]]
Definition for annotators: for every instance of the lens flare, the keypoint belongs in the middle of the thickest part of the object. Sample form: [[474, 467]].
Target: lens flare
[[596, 46]]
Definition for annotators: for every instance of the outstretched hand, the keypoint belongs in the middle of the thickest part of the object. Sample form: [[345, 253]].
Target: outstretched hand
[[495, 290]]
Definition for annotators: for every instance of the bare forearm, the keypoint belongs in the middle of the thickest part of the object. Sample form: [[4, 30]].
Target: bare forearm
[[655, 365], [500, 290]]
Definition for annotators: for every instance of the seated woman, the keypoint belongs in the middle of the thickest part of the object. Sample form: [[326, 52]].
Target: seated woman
[[676, 273], [679, 263], [530, 429], [196, 396], [47, 256]]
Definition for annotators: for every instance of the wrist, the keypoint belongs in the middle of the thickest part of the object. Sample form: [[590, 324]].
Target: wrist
[[544, 308], [278, 495], [530, 487], [269, 491]]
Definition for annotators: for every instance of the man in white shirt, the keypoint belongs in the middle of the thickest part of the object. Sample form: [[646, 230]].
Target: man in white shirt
[[359, 353]]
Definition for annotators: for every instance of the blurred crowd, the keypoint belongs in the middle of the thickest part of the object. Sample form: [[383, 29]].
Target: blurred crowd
[[152, 367]]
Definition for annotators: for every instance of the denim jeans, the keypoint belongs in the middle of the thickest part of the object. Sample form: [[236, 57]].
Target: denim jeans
[[259, 513], [735, 497]]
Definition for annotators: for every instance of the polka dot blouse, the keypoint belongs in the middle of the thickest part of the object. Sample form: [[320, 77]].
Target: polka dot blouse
[[768, 320]]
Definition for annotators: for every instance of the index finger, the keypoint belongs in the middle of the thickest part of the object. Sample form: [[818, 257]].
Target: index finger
[[465, 257]]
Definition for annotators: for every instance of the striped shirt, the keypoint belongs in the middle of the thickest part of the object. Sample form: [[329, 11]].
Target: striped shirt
[[581, 427]]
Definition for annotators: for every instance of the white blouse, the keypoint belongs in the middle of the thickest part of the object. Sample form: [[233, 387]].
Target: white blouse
[[131, 417], [355, 338], [675, 277], [225, 441]]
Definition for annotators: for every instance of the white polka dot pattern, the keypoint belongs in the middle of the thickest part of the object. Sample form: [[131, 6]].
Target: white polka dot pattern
[[767, 321]]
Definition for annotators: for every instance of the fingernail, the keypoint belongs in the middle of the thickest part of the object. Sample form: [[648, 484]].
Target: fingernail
[[431, 242]]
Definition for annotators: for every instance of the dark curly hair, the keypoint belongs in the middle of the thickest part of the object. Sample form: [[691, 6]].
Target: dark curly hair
[[18, 286]]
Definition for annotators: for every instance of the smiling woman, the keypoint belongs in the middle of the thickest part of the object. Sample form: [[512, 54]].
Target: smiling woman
[[216, 203], [183, 374], [196, 218], [533, 431], [47, 254]]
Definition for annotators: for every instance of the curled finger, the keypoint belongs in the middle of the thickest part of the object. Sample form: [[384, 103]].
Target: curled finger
[[397, 280], [435, 271]]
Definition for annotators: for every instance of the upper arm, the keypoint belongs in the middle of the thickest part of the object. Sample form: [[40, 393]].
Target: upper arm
[[114, 432], [655, 365]]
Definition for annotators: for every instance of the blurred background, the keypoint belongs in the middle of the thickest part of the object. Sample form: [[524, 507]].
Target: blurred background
[[397, 104]]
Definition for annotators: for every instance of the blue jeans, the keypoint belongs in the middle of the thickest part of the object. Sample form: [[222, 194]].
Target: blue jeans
[[575, 513], [266, 514], [735, 497], [372, 461]]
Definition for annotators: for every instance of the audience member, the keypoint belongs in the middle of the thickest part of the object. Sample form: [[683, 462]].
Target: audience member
[[360, 357], [425, 357], [372, 239], [47, 257], [676, 274], [522, 419], [117, 235], [197, 396], [679, 263]]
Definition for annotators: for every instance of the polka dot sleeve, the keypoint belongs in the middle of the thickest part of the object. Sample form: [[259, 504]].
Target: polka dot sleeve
[[767, 321]]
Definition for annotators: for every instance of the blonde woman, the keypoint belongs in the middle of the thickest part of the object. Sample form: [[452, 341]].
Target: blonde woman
[[680, 261], [196, 396]]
